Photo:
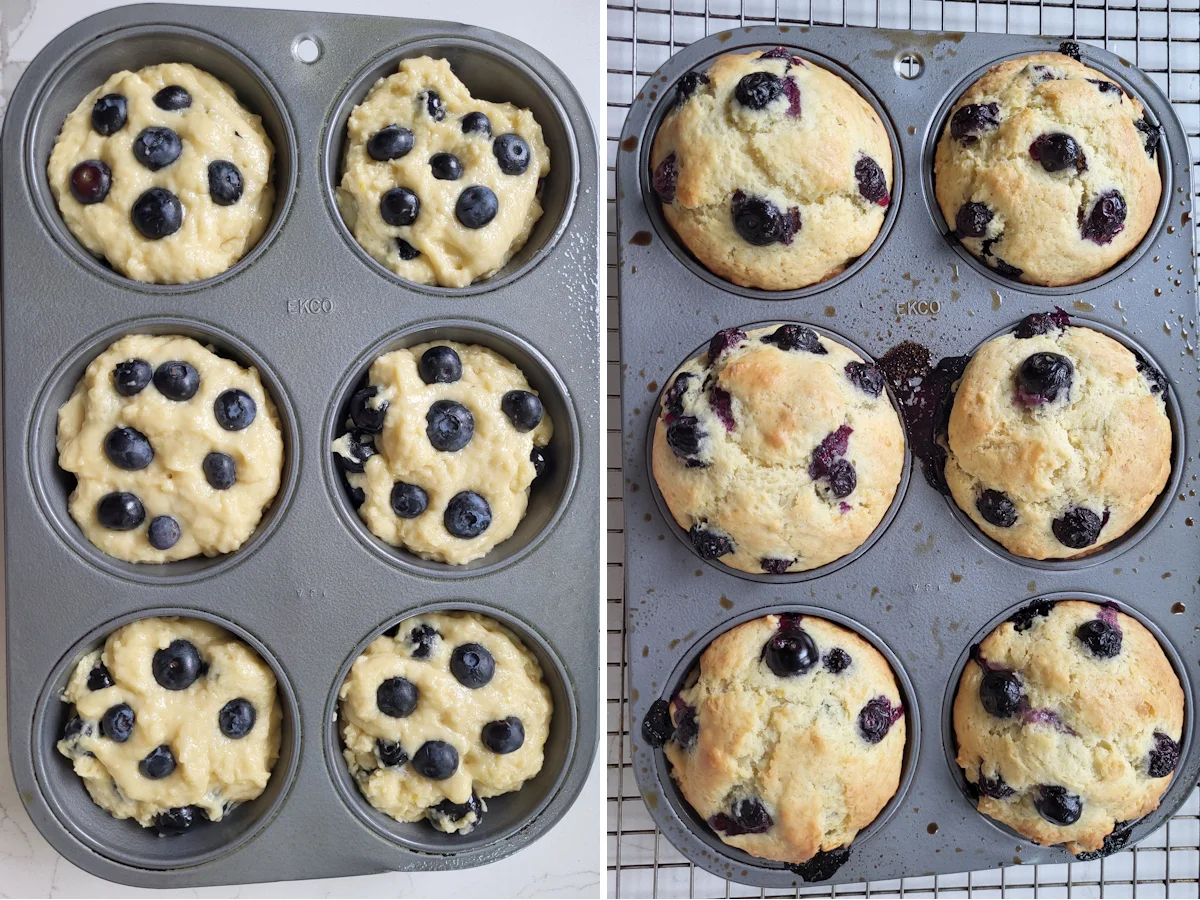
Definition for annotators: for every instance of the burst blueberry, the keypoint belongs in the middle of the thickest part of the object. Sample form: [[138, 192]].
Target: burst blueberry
[[971, 220], [865, 376], [746, 816], [1043, 377], [1102, 639], [708, 543], [796, 337], [876, 719], [1078, 527], [760, 222], [687, 86], [1106, 219], [666, 173], [996, 508], [973, 120], [776, 566], [836, 660], [1164, 756], [872, 183], [758, 89]]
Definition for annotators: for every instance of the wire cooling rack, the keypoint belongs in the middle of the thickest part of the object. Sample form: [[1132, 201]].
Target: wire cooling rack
[[1160, 36]]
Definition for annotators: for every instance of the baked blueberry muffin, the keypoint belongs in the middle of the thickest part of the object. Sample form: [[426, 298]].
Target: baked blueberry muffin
[[778, 450], [440, 187], [175, 721], [774, 171], [441, 448], [1046, 170], [1059, 440], [1069, 720], [441, 712], [163, 173], [176, 451], [789, 739]]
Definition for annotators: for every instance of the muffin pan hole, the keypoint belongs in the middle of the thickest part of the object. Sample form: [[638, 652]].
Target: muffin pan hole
[[307, 49], [52, 485], [126, 842], [507, 813], [490, 74], [134, 48], [548, 495], [909, 65]]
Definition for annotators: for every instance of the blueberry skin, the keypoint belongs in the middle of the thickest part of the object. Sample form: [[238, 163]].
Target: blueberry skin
[[235, 410], [836, 660], [790, 652], [449, 426], [173, 98], [117, 723], [1101, 638], [405, 250], [408, 500], [476, 206], [157, 214], [392, 142], [446, 167], [396, 697], [99, 678], [1057, 151], [75, 727], [439, 365], [120, 511], [685, 436], [1078, 527], [109, 114], [467, 515], [996, 508], [359, 452], [164, 532], [422, 638], [1164, 757], [657, 727], [866, 377], [236, 718], [1043, 376], [512, 154], [174, 822], [972, 220], [434, 106], [1057, 805], [132, 376], [1000, 693], [128, 449], [177, 380], [504, 736], [224, 182], [540, 459], [456, 812], [156, 147], [368, 418], [710, 544], [436, 760], [159, 763], [759, 222], [177, 666], [399, 206], [476, 123], [758, 89], [746, 816], [472, 665], [523, 409], [390, 754], [220, 471], [972, 120], [90, 181]]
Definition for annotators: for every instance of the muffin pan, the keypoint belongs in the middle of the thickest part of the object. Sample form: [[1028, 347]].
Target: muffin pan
[[930, 584], [307, 308]]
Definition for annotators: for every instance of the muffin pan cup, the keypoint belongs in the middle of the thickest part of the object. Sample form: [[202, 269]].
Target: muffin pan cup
[[930, 583], [310, 585]]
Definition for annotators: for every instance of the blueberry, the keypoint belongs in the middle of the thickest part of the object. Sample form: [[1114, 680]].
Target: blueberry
[[758, 89], [842, 478], [458, 812], [994, 787], [1071, 49], [722, 342], [237, 718], [1023, 618], [865, 376], [173, 98], [399, 206], [220, 471], [75, 727], [823, 866], [177, 380], [1058, 151], [876, 719], [476, 123], [1043, 377], [1057, 805], [835, 474], [157, 214], [688, 85], [405, 250], [836, 660], [132, 376], [1164, 757], [177, 820], [472, 665], [1078, 527], [672, 400], [434, 106], [512, 154], [367, 417], [776, 566], [540, 458], [1155, 380], [117, 723], [790, 652], [467, 515], [1101, 638], [746, 816], [357, 496], [439, 365], [235, 410], [523, 409], [436, 760], [128, 449], [164, 532], [1152, 134], [971, 220], [666, 173], [1106, 219], [996, 508], [224, 182], [503, 736], [390, 754], [796, 337], [99, 678], [389, 142], [422, 638], [1114, 842], [156, 147], [358, 451], [445, 167], [476, 206], [708, 543], [1105, 87], [657, 727], [760, 222], [177, 666], [1041, 323], [1000, 693], [120, 511], [90, 181], [159, 763], [396, 697], [721, 403], [109, 114], [408, 500], [1005, 269], [872, 183], [449, 426], [972, 120], [687, 728]]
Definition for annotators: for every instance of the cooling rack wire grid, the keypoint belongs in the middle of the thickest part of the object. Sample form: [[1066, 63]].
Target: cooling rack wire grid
[[1160, 36]]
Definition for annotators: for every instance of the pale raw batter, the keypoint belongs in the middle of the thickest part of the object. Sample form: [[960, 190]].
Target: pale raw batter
[[383, 750], [212, 771], [213, 127], [436, 247], [182, 435], [495, 464]]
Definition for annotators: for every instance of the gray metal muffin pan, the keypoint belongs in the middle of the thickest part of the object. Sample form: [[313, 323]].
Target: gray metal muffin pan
[[931, 584], [312, 586]]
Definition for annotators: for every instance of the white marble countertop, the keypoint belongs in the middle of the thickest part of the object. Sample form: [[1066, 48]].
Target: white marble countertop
[[564, 863]]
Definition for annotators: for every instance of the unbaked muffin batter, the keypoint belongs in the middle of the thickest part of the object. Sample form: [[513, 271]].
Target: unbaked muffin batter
[[441, 712], [175, 721], [441, 449], [163, 173], [440, 187], [176, 451]]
